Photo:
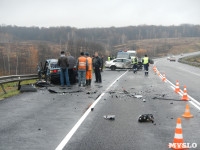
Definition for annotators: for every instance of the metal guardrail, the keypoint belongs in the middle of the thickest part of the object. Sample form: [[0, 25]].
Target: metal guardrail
[[16, 78]]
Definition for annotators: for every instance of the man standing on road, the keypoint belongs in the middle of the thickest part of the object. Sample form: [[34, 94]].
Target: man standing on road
[[63, 64], [82, 66], [135, 63], [72, 63], [89, 71], [145, 61], [97, 68]]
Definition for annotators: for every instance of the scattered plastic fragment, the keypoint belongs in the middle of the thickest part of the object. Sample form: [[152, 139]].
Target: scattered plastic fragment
[[28, 88], [109, 117], [138, 96]]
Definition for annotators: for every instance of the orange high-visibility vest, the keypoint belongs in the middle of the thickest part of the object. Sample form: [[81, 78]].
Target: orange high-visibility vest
[[82, 63], [89, 59]]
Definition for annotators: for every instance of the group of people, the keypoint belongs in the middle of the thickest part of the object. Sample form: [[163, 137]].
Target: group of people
[[145, 62], [84, 65]]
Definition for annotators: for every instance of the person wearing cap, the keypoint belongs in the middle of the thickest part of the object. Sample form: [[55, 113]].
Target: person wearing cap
[[63, 64], [82, 67], [89, 71]]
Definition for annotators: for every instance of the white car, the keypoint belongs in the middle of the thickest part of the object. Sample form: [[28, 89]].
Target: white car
[[119, 63]]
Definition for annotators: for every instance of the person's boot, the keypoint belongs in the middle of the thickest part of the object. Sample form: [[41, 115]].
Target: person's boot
[[90, 80], [87, 82]]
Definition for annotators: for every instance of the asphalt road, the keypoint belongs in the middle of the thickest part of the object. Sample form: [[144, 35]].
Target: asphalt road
[[40, 121]]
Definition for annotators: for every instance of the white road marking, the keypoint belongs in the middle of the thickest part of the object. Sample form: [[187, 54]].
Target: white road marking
[[80, 121], [193, 101]]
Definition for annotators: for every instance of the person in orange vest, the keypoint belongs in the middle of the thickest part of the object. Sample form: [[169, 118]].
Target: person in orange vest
[[89, 71], [82, 67]]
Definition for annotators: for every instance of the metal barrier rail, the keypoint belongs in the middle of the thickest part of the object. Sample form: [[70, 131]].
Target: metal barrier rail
[[16, 78]]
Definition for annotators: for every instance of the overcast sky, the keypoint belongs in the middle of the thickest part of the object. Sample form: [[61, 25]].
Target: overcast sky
[[98, 13]]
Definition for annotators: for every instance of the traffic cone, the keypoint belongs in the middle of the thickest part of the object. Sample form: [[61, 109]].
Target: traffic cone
[[158, 73], [187, 112], [185, 97], [178, 137], [164, 79], [154, 68], [177, 87]]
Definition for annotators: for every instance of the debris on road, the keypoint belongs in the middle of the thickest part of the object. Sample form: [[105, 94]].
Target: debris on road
[[138, 96], [28, 88], [42, 83], [53, 91], [146, 118], [125, 92], [167, 99], [109, 117]]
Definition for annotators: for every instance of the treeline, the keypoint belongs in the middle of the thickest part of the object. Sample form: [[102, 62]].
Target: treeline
[[22, 48], [108, 36]]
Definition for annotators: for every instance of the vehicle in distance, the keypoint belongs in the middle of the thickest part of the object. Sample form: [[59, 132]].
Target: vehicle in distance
[[119, 63], [130, 54], [172, 58]]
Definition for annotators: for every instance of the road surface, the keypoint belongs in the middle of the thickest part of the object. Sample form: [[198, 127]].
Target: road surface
[[42, 120]]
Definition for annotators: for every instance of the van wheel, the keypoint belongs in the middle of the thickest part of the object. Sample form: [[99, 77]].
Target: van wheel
[[113, 67]]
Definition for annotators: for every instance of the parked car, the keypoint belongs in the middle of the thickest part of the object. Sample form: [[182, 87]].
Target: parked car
[[51, 71], [119, 63]]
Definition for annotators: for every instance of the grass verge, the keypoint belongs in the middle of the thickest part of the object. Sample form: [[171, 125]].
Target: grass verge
[[11, 88]]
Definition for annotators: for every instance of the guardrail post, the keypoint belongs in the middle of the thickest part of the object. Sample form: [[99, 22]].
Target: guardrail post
[[3, 89], [19, 86]]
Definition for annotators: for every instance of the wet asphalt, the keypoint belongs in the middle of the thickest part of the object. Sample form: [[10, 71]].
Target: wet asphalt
[[125, 132], [40, 120]]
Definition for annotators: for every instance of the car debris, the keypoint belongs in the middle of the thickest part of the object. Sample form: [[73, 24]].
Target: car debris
[[53, 91], [42, 83], [146, 118], [159, 98], [109, 117], [138, 96], [28, 88]]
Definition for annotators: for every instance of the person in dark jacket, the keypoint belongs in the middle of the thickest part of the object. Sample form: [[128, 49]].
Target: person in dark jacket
[[97, 64], [63, 64], [72, 63]]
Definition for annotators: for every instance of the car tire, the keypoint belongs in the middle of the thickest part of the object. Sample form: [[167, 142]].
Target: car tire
[[113, 68]]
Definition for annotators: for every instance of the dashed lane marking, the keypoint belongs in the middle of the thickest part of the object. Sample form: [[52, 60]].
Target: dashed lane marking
[[193, 101]]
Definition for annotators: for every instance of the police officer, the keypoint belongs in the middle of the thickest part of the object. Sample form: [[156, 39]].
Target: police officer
[[82, 66], [89, 71], [135, 63], [108, 58], [145, 61]]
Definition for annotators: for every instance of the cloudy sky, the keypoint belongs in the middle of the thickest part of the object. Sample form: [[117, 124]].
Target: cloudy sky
[[98, 13]]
